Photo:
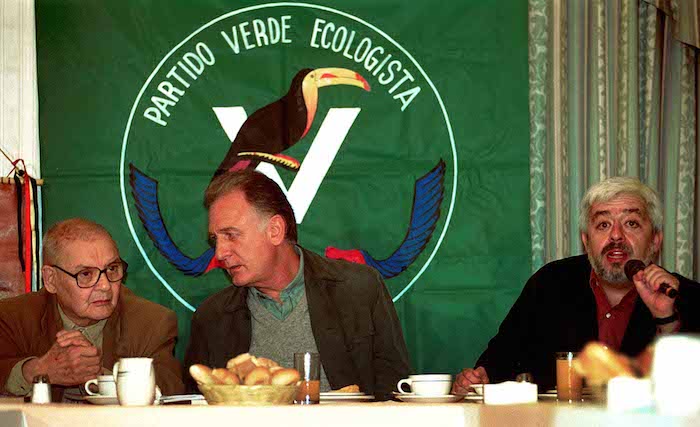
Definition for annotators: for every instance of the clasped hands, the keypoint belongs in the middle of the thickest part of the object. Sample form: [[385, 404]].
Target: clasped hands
[[70, 361]]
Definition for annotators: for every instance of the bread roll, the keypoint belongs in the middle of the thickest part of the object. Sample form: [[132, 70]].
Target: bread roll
[[265, 362], [237, 360], [258, 376], [225, 376], [241, 364], [202, 374], [232, 369], [284, 376], [352, 388], [598, 364], [245, 369]]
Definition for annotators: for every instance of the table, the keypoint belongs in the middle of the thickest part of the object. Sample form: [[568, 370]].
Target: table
[[330, 415]]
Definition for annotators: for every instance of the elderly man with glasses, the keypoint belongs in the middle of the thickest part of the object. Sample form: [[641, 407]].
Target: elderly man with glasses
[[83, 320]]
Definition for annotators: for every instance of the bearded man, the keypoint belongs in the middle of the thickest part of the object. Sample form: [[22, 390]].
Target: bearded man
[[570, 302]]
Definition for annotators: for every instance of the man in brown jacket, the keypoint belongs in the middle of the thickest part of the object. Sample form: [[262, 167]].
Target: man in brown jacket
[[83, 320]]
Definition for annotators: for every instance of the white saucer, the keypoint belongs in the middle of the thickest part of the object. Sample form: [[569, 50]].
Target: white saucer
[[346, 397], [412, 398], [474, 397], [333, 394], [102, 400]]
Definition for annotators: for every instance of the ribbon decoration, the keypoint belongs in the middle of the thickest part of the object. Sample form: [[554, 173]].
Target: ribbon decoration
[[28, 243]]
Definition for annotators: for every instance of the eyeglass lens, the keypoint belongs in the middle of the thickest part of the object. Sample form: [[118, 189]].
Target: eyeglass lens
[[90, 276]]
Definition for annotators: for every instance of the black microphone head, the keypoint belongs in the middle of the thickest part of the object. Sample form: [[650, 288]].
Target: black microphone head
[[632, 267]]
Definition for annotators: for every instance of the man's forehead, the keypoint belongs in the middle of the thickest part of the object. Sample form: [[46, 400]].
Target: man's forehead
[[620, 205], [79, 250], [230, 203], [231, 212]]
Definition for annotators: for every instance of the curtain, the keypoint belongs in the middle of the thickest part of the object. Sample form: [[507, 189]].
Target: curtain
[[19, 130], [613, 91]]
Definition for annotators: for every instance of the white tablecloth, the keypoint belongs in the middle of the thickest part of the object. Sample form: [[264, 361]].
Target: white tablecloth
[[329, 415]]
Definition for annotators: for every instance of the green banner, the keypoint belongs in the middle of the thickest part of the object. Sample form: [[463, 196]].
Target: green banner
[[409, 154]]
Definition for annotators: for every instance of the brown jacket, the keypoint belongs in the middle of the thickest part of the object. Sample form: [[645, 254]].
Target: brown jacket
[[137, 328]]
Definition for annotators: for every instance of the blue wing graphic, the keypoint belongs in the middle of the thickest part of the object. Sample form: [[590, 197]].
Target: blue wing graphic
[[145, 192], [427, 197]]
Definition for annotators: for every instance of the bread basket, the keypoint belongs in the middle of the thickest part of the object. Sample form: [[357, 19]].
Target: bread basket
[[250, 395]]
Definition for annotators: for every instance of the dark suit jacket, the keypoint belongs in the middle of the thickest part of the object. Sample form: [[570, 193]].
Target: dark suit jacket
[[137, 328], [352, 316], [556, 311]]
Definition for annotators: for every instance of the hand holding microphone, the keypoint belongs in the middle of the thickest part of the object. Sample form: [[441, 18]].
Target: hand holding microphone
[[634, 266]]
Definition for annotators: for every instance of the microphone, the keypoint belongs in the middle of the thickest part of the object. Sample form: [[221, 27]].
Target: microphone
[[634, 266]]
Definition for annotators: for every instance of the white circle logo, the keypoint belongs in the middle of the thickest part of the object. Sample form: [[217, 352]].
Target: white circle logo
[[369, 163]]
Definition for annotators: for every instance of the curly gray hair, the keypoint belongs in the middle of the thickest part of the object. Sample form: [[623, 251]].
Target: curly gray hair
[[607, 190]]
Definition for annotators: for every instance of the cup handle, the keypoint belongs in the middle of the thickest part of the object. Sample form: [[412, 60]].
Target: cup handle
[[478, 389], [156, 390], [87, 387], [401, 383], [115, 371]]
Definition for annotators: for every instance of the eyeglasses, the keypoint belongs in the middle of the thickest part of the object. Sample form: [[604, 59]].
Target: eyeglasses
[[88, 277]]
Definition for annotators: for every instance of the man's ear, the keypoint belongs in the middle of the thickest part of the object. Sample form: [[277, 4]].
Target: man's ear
[[584, 240], [657, 240], [276, 229], [48, 275]]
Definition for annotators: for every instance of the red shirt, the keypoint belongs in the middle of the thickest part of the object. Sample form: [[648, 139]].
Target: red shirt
[[612, 321]]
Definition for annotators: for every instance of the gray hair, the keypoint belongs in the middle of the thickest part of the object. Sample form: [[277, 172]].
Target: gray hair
[[611, 188], [69, 230], [261, 192]]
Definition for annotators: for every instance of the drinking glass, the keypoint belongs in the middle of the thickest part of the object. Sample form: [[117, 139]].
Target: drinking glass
[[309, 367], [569, 382]]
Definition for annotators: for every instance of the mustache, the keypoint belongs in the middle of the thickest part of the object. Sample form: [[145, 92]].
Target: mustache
[[101, 297], [611, 246]]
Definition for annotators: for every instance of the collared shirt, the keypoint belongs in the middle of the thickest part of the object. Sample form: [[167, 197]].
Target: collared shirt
[[612, 321], [18, 385], [93, 333], [289, 296]]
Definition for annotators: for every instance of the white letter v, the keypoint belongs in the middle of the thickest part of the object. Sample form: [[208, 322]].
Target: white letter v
[[318, 160]]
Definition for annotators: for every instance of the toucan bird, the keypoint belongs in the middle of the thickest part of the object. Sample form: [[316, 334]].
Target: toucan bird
[[263, 137], [277, 126]]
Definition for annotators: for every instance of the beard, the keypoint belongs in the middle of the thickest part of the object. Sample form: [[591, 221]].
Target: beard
[[615, 274]]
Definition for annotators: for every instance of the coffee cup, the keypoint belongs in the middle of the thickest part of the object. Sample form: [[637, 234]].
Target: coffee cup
[[105, 386], [426, 385], [135, 379]]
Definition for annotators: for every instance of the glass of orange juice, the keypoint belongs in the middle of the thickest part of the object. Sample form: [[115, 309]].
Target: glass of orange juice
[[569, 382], [309, 367]]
